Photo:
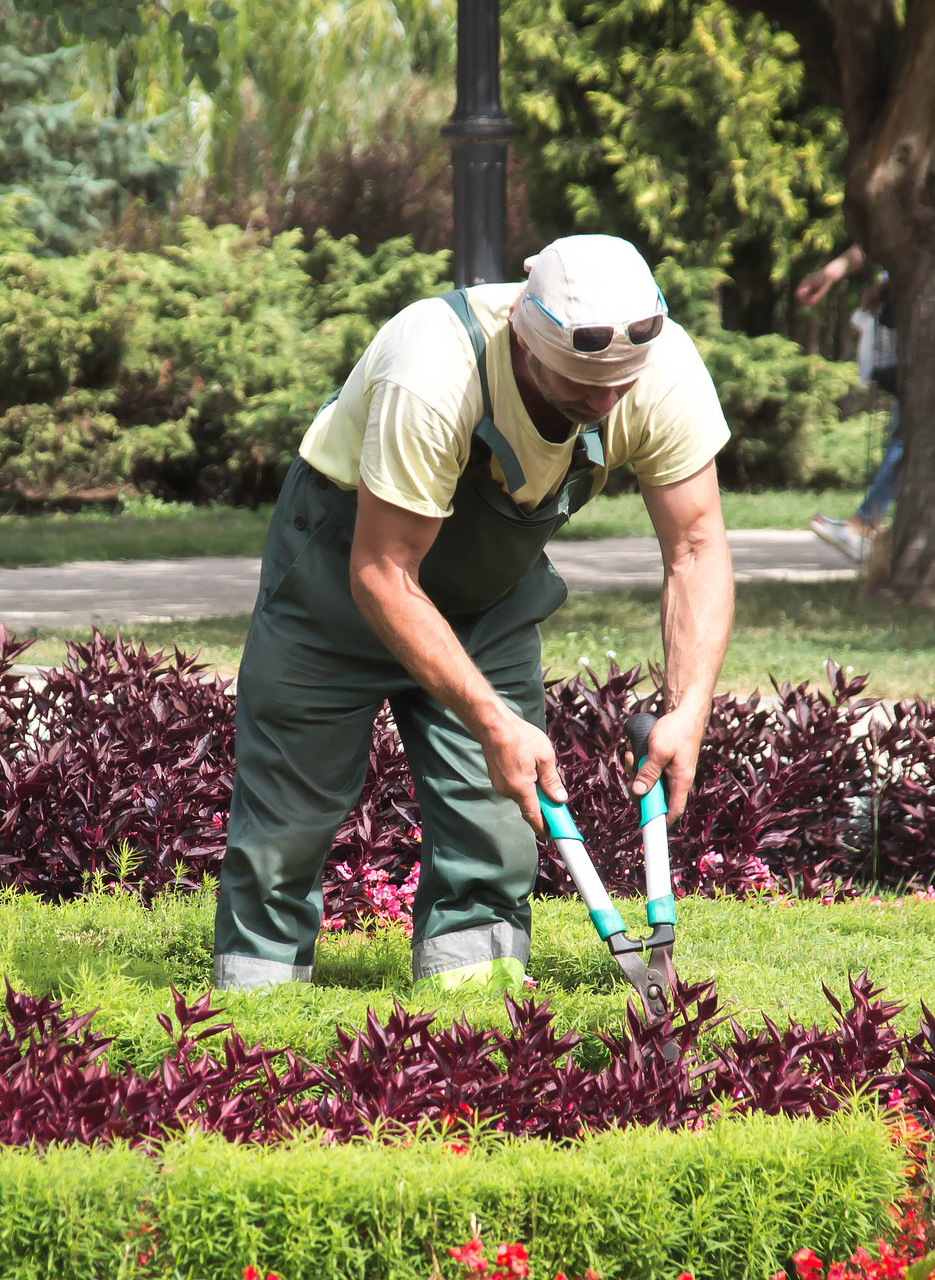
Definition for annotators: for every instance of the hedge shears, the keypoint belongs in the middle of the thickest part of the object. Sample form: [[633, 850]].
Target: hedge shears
[[649, 977]]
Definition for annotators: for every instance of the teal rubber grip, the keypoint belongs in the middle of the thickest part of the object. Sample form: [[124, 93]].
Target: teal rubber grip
[[661, 910], [607, 923], [558, 819], [653, 804]]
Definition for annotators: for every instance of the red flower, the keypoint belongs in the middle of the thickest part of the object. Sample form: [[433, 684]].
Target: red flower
[[808, 1265], [684, 1275], [251, 1273], [513, 1259], [471, 1256], [456, 1148]]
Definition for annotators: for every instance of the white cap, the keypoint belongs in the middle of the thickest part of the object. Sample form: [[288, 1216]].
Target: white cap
[[583, 281]]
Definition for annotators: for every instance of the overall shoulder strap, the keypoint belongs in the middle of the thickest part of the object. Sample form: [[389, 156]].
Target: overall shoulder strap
[[486, 430], [457, 300]]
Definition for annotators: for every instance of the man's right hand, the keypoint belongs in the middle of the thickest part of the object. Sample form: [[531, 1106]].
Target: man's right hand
[[518, 756]]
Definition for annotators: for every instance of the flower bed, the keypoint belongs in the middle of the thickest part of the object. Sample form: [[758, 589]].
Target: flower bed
[[117, 769]]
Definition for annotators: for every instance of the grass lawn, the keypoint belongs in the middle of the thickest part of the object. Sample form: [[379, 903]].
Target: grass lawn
[[162, 532], [787, 629]]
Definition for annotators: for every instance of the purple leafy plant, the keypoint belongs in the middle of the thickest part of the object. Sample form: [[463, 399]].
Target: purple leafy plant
[[794, 792]]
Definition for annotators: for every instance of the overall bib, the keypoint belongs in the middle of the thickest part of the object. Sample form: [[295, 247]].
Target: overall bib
[[312, 679]]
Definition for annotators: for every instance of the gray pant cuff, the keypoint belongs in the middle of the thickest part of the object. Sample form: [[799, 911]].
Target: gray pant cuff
[[245, 973], [469, 946]]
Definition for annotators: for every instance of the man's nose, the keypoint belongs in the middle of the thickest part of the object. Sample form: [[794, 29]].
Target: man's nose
[[602, 399]]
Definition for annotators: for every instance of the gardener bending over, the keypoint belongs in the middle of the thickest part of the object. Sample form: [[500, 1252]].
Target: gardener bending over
[[405, 562]]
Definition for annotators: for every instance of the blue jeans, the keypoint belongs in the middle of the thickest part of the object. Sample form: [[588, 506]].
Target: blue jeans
[[882, 491]]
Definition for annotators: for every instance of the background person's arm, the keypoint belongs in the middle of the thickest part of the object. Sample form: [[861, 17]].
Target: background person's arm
[[389, 544], [697, 610], [812, 288]]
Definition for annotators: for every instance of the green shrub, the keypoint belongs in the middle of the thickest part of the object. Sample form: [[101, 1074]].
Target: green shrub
[[733, 1201], [192, 373]]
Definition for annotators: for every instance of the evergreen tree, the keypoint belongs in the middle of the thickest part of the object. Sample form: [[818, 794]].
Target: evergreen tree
[[64, 169]]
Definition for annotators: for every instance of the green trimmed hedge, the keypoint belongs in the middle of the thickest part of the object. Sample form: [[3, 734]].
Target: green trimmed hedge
[[733, 1201]]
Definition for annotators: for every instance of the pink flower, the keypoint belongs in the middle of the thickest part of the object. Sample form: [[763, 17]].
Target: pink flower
[[471, 1256]]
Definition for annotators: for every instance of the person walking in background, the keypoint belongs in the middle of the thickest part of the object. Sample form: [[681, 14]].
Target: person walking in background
[[877, 360]]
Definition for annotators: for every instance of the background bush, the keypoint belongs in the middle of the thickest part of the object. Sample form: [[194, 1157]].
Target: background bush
[[193, 373]]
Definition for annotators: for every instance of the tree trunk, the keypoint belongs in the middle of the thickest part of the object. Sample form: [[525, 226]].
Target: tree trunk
[[912, 570], [891, 200], [884, 80]]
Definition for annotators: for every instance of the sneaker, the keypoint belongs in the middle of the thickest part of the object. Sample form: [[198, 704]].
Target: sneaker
[[838, 533]]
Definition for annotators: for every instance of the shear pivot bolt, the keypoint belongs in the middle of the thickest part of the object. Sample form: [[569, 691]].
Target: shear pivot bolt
[[654, 992]]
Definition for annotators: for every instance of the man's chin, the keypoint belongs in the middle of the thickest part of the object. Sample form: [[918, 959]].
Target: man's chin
[[577, 416]]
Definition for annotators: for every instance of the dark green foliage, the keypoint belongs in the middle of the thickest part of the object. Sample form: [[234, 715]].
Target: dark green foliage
[[683, 127], [194, 372], [190, 373]]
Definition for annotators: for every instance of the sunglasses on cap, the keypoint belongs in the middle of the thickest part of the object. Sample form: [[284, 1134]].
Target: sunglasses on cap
[[590, 339]]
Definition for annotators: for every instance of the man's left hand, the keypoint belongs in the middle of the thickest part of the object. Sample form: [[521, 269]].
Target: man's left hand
[[673, 754]]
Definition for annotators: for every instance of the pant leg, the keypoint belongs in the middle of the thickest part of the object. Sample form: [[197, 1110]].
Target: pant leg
[[471, 915], [882, 491], [311, 681]]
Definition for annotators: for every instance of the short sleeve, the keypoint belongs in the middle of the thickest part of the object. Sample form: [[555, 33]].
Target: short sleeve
[[674, 425], [411, 456]]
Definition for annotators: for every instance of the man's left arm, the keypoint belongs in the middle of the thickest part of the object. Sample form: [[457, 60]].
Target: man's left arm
[[697, 609]]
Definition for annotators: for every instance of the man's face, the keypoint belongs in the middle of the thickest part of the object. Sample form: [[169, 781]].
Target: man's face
[[580, 402]]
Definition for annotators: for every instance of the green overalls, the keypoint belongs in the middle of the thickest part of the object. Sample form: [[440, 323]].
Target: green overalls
[[313, 677]]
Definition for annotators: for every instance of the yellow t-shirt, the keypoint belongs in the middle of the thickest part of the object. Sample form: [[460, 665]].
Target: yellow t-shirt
[[404, 419]]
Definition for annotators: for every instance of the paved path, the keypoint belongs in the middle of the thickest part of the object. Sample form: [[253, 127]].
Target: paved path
[[79, 594]]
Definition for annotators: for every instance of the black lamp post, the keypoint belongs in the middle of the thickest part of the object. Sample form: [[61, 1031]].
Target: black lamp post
[[479, 131]]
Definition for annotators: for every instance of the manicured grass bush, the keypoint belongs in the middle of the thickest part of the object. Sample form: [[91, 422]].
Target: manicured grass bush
[[733, 1200], [553, 1066]]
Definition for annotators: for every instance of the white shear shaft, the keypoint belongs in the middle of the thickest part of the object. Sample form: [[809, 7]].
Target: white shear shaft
[[581, 869], [656, 853]]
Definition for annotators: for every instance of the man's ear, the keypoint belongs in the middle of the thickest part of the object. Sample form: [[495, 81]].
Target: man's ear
[[522, 345]]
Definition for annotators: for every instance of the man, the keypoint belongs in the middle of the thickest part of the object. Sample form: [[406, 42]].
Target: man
[[405, 562]]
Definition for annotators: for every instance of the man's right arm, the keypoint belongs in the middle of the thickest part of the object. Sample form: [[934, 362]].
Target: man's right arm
[[389, 544]]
